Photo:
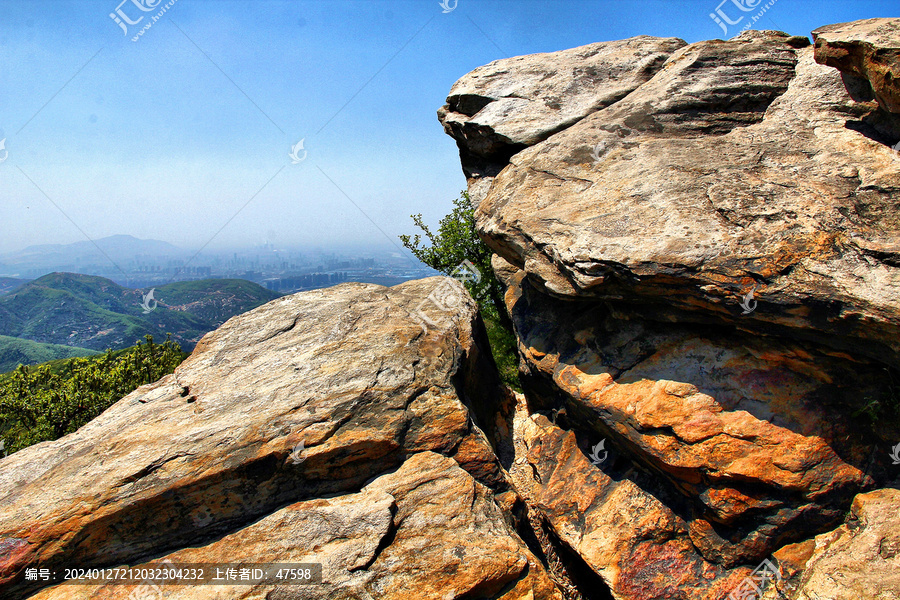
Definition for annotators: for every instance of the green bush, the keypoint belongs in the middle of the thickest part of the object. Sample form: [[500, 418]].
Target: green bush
[[456, 241], [48, 401]]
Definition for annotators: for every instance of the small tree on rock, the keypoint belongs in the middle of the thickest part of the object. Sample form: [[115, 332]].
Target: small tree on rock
[[457, 241]]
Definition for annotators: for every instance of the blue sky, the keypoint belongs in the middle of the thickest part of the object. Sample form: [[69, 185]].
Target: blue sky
[[184, 135]]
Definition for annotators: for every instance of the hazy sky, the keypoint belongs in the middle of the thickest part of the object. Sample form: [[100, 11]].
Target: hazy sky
[[187, 131]]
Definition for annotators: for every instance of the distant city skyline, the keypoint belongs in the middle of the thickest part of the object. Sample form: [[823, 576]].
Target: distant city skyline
[[232, 123], [144, 263]]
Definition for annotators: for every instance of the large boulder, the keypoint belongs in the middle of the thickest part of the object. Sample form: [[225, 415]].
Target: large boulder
[[742, 167], [310, 396], [868, 49], [743, 430], [501, 108], [704, 279]]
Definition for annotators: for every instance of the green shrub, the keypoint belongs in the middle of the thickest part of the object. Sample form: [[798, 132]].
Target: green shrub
[[48, 401], [457, 240]]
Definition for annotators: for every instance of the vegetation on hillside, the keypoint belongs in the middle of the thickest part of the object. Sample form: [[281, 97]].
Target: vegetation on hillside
[[96, 313], [9, 284], [48, 401], [457, 241], [16, 351]]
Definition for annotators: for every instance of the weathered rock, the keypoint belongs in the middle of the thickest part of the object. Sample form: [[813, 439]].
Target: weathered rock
[[743, 429], [740, 166], [362, 375], [428, 530], [499, 109], [705, 273], [626, 534], [859, 560], [869, 49]]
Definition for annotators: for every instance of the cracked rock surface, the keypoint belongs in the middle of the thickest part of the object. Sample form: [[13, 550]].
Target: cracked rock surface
[[704, 280], [741, 165], [427, 530], [742, 432], [304, 400]]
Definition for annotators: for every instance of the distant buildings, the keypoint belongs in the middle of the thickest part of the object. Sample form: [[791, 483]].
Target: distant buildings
[[284, 271], [305, 282]]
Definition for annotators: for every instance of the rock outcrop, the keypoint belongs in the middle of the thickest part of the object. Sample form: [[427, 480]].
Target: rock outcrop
[[722, 422], [703, 277], [869, 50], [428, 530], [741, 166], [700, 246], [286, 425], [508, 105]]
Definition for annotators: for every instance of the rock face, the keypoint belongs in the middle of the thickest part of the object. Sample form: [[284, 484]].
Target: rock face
[[428, 530], [700, 246], [295, 411], [704, 280], [625, 534], [860, 559], [503, 107], [718, 420], [686, 195], [870, 50]]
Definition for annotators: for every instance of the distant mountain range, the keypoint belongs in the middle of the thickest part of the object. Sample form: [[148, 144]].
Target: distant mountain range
[[118, 248], [89, 312]]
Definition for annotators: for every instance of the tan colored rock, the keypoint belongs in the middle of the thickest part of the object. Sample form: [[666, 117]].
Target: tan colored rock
[[639, 546], [722, 420], [869, 49], [428, 531], [705, 274], [500, 108], [679, 200], [859, 560], [363, 376]]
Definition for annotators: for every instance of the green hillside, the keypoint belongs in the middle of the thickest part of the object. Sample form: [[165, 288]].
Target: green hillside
[[16, 351], [92, 312], [47, 401], [9, 284]]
